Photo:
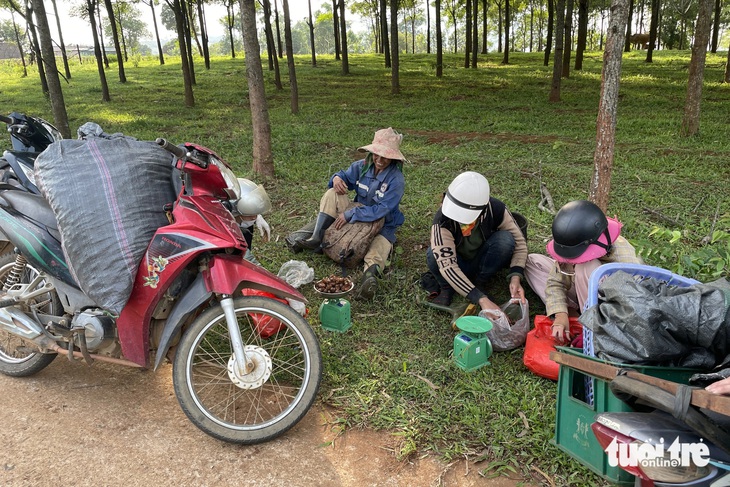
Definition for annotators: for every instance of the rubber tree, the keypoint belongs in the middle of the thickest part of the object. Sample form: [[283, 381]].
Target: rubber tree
[[91, 8], [310, 24], [61, 44], [558, 58], [178, 10], [600, 185], [115, 38], [439, 42], [263, 158], [55, 93], [293, 87], [691, 119], [394, 55]]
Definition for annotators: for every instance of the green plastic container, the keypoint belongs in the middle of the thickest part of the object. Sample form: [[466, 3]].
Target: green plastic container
[[575, 414], [334, 315]]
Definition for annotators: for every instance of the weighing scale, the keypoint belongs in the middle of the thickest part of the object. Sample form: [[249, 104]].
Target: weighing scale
[[334, 312], [472, 347]]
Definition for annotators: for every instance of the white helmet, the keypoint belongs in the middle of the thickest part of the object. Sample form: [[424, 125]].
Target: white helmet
[[466, 198], [253, 200]]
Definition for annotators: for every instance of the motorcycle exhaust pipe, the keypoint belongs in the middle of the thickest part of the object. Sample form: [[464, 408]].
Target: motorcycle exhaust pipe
[[18, 323]]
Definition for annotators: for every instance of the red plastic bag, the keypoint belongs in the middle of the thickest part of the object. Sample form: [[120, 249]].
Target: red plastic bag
[[540, 343], [266, 326]]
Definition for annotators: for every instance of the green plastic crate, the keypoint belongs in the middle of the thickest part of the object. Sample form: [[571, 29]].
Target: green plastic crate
[[574, 413]]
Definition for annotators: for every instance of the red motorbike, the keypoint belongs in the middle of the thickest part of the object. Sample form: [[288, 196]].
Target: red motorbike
[[233, 382]]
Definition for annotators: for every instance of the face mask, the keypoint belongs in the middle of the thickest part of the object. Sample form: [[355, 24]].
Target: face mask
[[466, 229]]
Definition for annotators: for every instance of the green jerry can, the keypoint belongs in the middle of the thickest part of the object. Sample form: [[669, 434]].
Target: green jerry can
[[472, 347]]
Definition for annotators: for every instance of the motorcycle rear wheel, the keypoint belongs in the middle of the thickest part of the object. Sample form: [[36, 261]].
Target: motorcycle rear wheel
[[263, 404], [15, 358]]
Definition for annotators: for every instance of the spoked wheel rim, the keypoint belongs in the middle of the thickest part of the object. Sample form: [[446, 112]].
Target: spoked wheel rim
[[248, 403]]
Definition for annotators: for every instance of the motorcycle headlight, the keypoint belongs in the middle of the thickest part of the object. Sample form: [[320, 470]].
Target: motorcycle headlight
[[233, 189]]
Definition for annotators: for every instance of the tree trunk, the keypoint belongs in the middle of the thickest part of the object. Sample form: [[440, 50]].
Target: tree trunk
[[336, 29], [187, 39], [61, 44], [115, 38], [91, 7], [549, 36], [439, 42], [293, 87], [157, 33], [468, 36], [505, 58], [484, 27], [600, 186], [726, 79], [716, 27], [653, 28], [263, 159], [691, 120], [558, 60], [343, 39], [278, 31], [271, 46], [475, 35], [394, 55], [428, 27], [203, 33], [121, 34], [627, 45], [177, 8], [582, 33], [230, 22], [568, 38], [20, 45], [101, 36], [311, 34], [58, 106], [384, 31], [36, 47]]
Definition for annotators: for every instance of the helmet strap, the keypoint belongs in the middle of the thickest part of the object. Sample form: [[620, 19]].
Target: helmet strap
[[607, 246]]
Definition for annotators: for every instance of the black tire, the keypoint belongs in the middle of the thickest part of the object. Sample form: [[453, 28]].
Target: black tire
[[247, 411], [15, 359]]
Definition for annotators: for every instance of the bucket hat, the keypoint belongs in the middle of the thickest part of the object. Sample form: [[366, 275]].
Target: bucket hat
[[386, 143]]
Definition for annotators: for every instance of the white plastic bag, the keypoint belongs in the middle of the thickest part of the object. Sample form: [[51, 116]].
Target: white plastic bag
[[509, 326], [296, 273]]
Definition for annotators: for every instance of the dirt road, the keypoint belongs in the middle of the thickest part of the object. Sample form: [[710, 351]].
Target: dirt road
[[115, 426]]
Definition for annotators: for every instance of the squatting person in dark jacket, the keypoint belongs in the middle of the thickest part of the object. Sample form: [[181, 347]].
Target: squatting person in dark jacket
[[379, 185], [473, 236]]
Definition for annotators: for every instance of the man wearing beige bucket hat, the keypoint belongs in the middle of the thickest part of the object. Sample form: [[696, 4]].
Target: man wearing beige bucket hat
[[379, 184]]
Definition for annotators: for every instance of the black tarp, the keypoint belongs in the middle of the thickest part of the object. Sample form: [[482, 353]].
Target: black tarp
[[645, 321]]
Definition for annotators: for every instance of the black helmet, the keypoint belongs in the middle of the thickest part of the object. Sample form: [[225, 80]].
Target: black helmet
[[577, 225]]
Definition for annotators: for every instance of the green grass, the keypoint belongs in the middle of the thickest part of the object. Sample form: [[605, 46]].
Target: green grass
[[393, 370]]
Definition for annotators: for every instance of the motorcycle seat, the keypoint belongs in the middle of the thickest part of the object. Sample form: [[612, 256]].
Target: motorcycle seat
[[34, 207]]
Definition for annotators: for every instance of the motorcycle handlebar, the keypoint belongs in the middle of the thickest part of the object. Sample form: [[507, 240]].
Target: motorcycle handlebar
[[170, 148], [6, 120], [180, 153]]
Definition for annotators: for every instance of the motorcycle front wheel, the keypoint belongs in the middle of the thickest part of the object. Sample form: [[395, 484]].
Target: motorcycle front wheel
[[265, 402]]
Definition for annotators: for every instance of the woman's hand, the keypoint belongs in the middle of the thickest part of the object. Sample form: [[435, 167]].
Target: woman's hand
[[721, 387], [515, 289], [486, 303], [340, 221], [560, 330], [339, 185]]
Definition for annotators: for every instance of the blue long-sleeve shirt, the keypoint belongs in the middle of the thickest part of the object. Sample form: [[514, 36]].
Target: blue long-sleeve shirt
[[380, 195]]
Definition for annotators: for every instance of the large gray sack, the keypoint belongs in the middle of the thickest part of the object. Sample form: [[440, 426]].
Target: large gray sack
[[108, 197]]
